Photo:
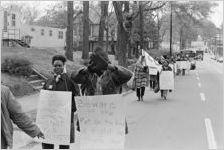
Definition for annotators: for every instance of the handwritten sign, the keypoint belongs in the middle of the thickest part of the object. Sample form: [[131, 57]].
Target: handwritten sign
[[183, 64], [153, 71], [166, 80], [54, 116], [102, 121]]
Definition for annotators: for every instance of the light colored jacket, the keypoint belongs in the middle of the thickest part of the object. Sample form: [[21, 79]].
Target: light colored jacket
[[11, 111]]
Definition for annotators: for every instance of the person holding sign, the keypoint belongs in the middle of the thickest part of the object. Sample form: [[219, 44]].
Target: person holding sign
[[100, 77], [165, 67], [62, 82], [11, 111], [141, 73]]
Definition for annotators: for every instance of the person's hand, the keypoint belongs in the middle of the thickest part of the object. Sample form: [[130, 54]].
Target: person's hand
[[111, 67], [40, 135]]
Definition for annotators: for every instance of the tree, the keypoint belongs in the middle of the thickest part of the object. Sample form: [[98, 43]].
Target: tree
[[189, 14], [103, 17], [69, 33], [85, 50], [122, 34]]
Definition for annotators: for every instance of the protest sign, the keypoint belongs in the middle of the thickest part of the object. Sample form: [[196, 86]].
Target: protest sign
[[102, 121], [166, 80], [153, 71], [184, 64], [54, 116]]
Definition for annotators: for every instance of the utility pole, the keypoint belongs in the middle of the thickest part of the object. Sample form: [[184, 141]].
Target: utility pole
[[171, 26]]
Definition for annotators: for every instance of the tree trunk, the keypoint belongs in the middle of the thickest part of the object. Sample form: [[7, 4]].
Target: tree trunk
[[141, 22], [69, 33], [107, 39], [122, 35], [104, 14], [85, 50], [122, 46]]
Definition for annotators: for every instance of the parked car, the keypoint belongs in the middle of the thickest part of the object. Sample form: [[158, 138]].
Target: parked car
[[220, 59]]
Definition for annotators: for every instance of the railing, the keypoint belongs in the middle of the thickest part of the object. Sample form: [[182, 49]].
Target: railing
[[11, 34]]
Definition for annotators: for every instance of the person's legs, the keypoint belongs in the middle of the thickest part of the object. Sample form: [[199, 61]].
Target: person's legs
[[47, 146], [64, 146], [138, 93], [161, 93], [142, 92]]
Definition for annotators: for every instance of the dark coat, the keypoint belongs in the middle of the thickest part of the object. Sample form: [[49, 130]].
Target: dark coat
[[65, 84], [111, 80], [11, 111]]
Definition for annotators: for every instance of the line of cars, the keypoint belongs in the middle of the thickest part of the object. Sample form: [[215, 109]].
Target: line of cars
[[217, 58]]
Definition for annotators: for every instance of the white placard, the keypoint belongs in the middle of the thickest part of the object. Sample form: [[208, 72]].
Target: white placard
[[54, 116], [153, 71], [102, 121], [166, 80], [184, 64]]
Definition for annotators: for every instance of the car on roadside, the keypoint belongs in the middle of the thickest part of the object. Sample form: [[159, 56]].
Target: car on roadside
[[220, 59]]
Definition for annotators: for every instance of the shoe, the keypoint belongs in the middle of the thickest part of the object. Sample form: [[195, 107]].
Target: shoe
[[139, 99]]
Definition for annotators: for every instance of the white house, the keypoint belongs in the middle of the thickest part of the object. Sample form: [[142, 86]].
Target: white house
[[35, 36]]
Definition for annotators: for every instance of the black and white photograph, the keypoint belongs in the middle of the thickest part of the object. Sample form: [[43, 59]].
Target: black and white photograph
[[112, 75]]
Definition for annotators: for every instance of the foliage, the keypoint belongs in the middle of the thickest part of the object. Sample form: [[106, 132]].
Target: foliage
[[16, 66]]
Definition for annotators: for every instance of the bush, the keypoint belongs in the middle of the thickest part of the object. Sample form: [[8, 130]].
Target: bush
[[17, 66]]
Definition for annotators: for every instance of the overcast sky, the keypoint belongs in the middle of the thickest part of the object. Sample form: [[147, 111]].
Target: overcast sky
[[216, 17]]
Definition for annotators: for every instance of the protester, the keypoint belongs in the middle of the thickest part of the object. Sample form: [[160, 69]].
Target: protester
[[62, 82], [11, 111], [100, 77], [165, 67], [141, 73]]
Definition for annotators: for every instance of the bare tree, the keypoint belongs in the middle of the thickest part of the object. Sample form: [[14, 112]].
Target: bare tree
[[85, 50], [69, 33]]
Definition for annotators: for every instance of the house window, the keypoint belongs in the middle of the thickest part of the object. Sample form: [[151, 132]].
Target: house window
[[50, 32], [42, 31], [13, 20], [32, 29], [60, 34]]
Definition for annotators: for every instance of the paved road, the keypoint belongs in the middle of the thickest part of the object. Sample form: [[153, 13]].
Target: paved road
[[191, 118]]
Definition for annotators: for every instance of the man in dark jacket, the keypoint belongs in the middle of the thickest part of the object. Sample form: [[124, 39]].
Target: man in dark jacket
[[11, 111], [101, 77], [62, 82]]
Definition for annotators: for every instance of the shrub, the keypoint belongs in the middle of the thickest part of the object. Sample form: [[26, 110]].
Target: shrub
[[17, 66]]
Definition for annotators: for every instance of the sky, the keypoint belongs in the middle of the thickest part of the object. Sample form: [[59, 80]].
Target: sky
[[216, 17]]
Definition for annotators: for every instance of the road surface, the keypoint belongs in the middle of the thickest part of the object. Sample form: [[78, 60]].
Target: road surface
[[191, 118]]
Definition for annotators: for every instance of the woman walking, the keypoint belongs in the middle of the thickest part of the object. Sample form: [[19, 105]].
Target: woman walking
[[165, 67], [141, 77]]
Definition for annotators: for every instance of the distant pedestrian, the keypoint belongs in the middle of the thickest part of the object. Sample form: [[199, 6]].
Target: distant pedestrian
[[62, 82], [141, 77], [165, 67], [11, 111]]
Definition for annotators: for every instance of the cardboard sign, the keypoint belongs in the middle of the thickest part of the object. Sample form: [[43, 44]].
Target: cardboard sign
[[166, 80], [153, 71], [54, 116], [184, 64], [102, 121]]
